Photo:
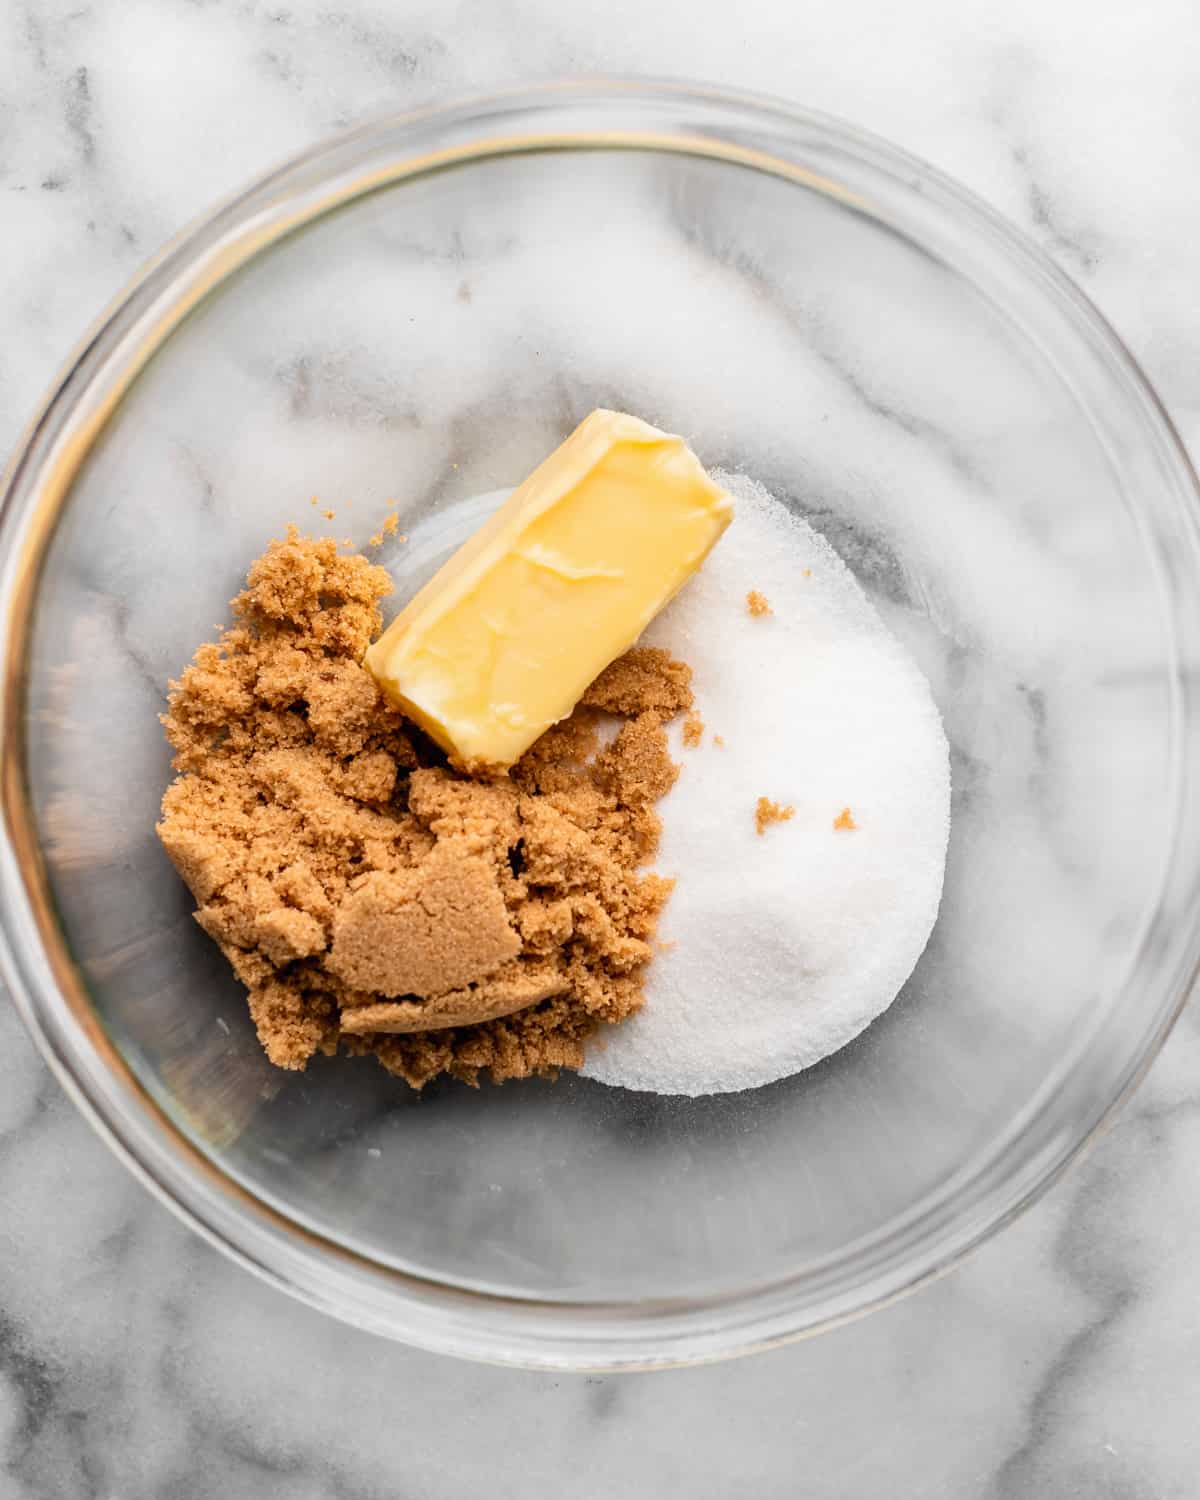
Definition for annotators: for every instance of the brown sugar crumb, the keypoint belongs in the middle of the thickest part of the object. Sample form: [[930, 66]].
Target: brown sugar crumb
[[390, 527], [510, 990], [767, 812], [693, 730], [757, 603], [371, 898], [807, 573], [844, 822], [423, 931], [644, 679], [329, 514], [719, 741]]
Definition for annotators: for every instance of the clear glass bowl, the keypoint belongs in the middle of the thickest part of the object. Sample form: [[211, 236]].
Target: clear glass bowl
[[414, 314]]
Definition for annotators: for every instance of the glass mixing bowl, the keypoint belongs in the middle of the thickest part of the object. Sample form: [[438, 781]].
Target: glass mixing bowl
[[415, 314]]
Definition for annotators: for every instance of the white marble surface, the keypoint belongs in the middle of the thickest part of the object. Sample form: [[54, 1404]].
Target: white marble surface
[[134, 1362]]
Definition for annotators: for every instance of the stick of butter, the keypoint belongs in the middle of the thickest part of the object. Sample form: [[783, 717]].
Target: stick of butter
[[505, 637]]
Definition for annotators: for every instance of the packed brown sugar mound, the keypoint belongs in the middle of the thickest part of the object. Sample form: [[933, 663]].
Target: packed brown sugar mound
[[370, 897]]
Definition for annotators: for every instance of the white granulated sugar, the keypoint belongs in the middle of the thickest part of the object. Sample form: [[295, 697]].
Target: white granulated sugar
[[785, 946]]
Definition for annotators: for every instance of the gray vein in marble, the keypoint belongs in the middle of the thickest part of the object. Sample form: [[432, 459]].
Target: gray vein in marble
[[1017, 79], [35, 35], [1111, 1290], [46, 1096], [1104, 1257], [820, 340], [379, 43], [604, 1397], [243, 1458], [78, 111], [867, 554], [1080, 246], [201, 473], [920, 428], [467, 443], [337, 387], [37, 1385]]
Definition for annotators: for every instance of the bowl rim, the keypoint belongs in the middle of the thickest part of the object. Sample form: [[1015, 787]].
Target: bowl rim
[[672, 116]]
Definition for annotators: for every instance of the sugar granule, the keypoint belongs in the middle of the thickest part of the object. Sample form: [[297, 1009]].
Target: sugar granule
[[785, 948]]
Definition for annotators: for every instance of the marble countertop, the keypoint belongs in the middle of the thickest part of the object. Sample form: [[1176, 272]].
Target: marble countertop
[[1063, 1360]]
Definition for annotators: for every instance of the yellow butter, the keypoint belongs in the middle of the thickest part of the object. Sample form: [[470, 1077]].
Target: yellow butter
[[502, 641]]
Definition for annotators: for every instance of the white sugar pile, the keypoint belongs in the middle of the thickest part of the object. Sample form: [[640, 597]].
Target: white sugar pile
[[785, 945]]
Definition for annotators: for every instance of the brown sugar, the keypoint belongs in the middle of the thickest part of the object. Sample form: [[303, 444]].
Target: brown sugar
[[644, 679], [423, 931], [693, 730], [757, 603], [844, 822], [389, 528], [767, 812], [371, 898]]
